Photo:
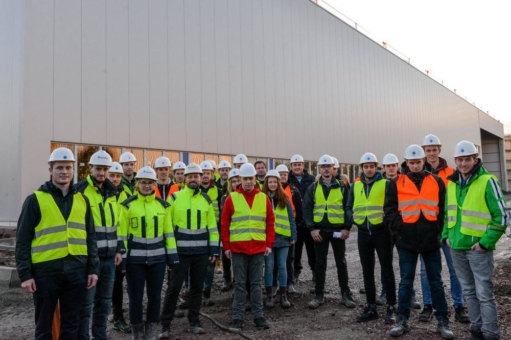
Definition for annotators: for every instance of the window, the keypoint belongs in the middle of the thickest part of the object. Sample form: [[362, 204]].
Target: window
[[225, 158], [172, 155], [213, 158], [139, 155], [114, 152], [84, 154], [151, 156], [197, 158]]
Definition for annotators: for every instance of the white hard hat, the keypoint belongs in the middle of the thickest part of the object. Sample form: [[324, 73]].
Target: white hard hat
[[146, 173], [282, 168], [101, 157], [247, 170], [272, 173], [465, 148], [62, 154], [212, 162], [116, 168], [240, 159], [368, 157], [179, 166], [234, 173], [194, 168], [224, 165], [326, 160], [336, 163], [414, 151], [127, 157], [162, 162], [431, 140], [390, 158], [296, 159], [205, 166]]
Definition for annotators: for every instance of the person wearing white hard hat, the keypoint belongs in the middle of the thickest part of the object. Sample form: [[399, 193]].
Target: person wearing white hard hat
[[438, 166], [324, 206], [365, 210], [162, 166], [275, 266], [102, 195], [248, 234], [390, 164], [196, 231], [178, 172], [223, 172], [56, 249], [239, 160], [476, 220], [414, 205], [147, 222], [215, 176], [128, 160], [301, 179]]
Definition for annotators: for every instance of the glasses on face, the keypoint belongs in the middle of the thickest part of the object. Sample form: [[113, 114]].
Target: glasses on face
[[146, 184]]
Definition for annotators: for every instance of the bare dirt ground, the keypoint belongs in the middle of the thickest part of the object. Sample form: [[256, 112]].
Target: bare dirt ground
[[330, 321]]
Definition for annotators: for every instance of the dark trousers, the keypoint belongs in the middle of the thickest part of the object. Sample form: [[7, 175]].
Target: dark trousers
[[407, 266], [226, 266], [137, 276], [290, 262], [69, 290], [304, 237], [339, 248], [198, 265], [382, 244], [117, 294]]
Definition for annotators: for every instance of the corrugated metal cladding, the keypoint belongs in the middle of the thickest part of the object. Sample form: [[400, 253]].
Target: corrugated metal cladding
[[264, 77]]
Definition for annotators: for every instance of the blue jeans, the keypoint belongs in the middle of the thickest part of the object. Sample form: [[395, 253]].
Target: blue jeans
[[407, 265], [66, 289], [269, 262], [456, 294], [101, 297]]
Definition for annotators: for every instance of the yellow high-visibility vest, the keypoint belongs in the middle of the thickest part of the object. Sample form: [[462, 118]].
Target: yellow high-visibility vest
[[369, 207], [248, 223], [331, 206]]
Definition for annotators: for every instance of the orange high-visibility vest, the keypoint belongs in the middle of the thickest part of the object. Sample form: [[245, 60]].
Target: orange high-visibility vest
[[173, 188], [288, 193], [444, 173], [412, 202]]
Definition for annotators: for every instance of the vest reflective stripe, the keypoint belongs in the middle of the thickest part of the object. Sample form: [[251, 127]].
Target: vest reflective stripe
[[193, 231], [107, 243], [475, 214], [248, 223], [213, 194], [282, 225], [287, 190], [411, 202], [330, 206], [54, 238], [107, 231], [181, 243], [369, 207], [144, 240], [147, 253]]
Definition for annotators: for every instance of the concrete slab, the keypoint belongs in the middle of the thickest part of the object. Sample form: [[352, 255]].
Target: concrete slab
[[9, 277], [8, 244]]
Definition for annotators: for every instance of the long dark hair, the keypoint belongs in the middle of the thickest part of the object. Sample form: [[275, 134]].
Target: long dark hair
[[281, 194]]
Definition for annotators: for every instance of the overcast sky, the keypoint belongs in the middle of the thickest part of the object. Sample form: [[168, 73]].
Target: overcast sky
[[465, 44]]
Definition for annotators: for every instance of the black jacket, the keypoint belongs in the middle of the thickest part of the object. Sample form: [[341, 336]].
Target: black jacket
[[302, 185], [422, 236], [297, 201], [308, 206], [30, 217]]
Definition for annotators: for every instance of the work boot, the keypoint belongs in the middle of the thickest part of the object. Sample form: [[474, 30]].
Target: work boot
[[206, 298], [269, 298], [291, 288], [274, 290], [489, 336], [427, 314], [218, 268], [137, 332], [316, 302], [164, 332], [227, 286], [442, 328], [390, 318], [179, 313], [476, 333], [370, 313], [121, 326], [284, 302], [261, 323], [150, 330], [347, 300], [401, 327], [297, 277], [382, 299], [460, 314], [415, 304], [237, 324], [195, 328]]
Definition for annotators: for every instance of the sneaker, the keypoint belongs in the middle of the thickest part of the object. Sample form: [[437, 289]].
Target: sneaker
[[227, 286], [261, 323], [370, 313], [121, 326], [390, 317], [415, 304], [316, 302], [460, 314], [347, 300], [427, 314], [164, 332], [236, 324], [291, 288], [476, 333], [195, 328], [400, 328], [443, 329], [382, 299]]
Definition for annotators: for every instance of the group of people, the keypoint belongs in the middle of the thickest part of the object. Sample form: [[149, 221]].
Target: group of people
[[77, 243]]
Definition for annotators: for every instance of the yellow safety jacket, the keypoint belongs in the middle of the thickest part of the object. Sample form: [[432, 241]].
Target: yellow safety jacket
[[331, 206], [282, 225], [55, 237], [369, 207], [213, 193], [248, 223]]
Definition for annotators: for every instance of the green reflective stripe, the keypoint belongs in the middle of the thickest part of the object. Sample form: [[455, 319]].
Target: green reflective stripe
[[248, 218], [148, 240], [107, 230], [248, 230], [429, 212], [476, 226], [407, 203], [52, 230], [107, 243], [320, 206], [77, 241], [169, 235], [147, 253], [282, 226], [410, 213], [51, 246], [183, 244], [191, 231], [476, 214], [429, 202], [452, 207]]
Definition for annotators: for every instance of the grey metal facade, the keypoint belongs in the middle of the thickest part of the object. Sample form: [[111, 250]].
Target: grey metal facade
[[268, 78]]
